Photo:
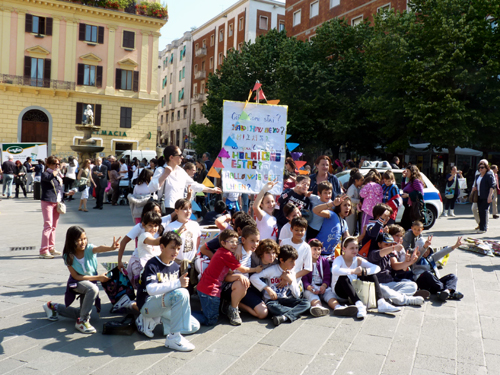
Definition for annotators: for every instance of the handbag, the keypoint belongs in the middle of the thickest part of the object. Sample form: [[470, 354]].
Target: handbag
[[125, 326], [117, 287], [366, 293], [449, 191], [81, 184], [61, 207], [473, 197]]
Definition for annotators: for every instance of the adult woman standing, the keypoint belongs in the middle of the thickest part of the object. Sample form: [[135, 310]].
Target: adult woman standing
[[174, 180], [485, 185], [412, 181], [289, 176], [85, 175], [52, 193], [114, 179], [20, 178], [70, 175], [452, 191], [322, 165]]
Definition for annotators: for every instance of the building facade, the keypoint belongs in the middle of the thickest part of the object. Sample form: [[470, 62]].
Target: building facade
[[56, 57], [242, 22], [174, 111], [303, 17]]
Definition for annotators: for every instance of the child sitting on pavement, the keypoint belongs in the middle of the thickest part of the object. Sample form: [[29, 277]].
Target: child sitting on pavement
[[400, 270], [283, 306], [163, 295], [209, 287], [290, 211], [350, 266], [317, 285], [235, 287], [413, 235], [303, 263], [403, 292], [373, 231], [427, 274]]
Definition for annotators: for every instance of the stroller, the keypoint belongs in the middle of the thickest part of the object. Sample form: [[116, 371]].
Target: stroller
[[125, 189]]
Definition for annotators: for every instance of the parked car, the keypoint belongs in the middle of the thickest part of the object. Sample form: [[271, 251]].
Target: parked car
[[432, 197]]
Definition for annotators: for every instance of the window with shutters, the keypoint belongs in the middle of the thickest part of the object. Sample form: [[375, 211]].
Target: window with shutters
[[91, 34], [240, 24], [170, 101], [314, 9], [195, 68], [183, 72], [125, 117], [180, 75], [221, 35], [204, 43], [38, 25], [297, 17], [263, 23], [230, 32], [281, 26], [162, 119], [194, 114], [89, 75], [177, 137], [211, 63], [37, 71], [221, 58], [195, 89], [185, 113], [357, 21], [178, 115], [127, 80], [81, 118], [212, 39], [128, 39]]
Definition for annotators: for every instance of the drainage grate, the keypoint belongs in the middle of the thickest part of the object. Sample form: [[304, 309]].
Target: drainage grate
[[22, 248]]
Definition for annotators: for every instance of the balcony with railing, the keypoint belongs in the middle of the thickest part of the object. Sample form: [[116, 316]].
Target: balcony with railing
[[148, 8], [36, 82], [200, 74], [200, 52], [199, 97]]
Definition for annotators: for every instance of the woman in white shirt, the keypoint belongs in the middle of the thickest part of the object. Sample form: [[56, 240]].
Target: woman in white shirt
[[174, 180], [70, 175]]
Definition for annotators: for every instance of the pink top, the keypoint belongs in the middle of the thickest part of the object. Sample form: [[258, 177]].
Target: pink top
[[372, 194]]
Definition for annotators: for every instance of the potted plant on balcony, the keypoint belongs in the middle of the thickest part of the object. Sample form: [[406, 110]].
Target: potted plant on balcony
[[117, 4]]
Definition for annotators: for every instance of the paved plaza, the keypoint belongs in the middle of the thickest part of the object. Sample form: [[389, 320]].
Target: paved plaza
[[451, 338]]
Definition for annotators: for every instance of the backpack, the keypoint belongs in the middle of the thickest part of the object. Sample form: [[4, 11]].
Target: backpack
[[417, 209], [125, 326], [118, 286]]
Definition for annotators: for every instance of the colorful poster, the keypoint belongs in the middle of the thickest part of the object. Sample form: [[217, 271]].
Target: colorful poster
[[20, 151], [255, 140]]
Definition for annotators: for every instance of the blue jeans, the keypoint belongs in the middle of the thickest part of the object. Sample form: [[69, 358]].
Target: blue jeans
[[291, 307], [244, 202], [209, 313], [174, 309], [8, 179]]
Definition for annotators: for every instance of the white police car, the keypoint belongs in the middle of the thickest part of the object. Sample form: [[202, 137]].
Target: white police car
[[432, 197]]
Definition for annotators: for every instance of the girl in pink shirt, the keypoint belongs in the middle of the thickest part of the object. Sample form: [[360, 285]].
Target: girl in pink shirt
[[372, 194]]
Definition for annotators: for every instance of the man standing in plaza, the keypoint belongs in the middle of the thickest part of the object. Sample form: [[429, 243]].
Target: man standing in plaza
[[100, 177], [206, 159], [8, 171]]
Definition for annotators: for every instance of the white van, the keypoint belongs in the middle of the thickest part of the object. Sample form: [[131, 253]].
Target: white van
[[139, 154]]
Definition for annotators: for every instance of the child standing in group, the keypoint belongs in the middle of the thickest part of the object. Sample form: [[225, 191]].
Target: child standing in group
[[317, 285], [348, 267], [353, 189], [147, 248], [263, 207], [188, 229], [209, 287], [325, 191], [391, 195], [427, 275], [291, 211], [281, 305], [163, 295], [235, 287], [372, 193], [80, 258], [298, 196], [334, 226], [303, 262]]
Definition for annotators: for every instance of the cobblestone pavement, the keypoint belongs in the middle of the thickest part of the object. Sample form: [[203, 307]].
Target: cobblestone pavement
[[451, 338]]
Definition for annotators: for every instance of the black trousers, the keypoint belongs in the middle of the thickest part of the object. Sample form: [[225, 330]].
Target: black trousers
[[406, 220], [344, 288], [22, 186], [99, 195], [483, 207], [450, 203], [430, 282]]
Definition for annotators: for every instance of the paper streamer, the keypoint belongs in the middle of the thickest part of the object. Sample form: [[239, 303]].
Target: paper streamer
[[213, 173], [193, 217], [288, 136], [230, 142], [244, 116], [300, 163], [208, 183], [303, 172], [291, 146], [223, 153], [257, 86], [200, 194], [273, 102], [261, 95], [296, 155], [217, 164], [195, 206]]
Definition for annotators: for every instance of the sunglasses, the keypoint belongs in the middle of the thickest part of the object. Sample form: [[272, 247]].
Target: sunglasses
[[482, 167]]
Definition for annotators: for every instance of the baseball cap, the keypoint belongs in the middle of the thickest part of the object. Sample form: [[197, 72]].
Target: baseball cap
[[387, 238]]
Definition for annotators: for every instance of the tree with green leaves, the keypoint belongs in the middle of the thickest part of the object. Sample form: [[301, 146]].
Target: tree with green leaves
[[434, 72]]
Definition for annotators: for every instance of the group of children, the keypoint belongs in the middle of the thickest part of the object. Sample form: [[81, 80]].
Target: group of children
[[262, 266]]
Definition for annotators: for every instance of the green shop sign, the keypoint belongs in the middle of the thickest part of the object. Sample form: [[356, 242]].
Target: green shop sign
[[109, 132]]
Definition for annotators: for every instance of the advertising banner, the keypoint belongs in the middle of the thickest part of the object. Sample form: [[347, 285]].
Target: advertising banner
[[20, 151]]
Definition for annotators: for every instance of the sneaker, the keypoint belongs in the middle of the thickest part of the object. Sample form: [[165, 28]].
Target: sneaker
[[52, 315], [123, 304], [278, 319], [422, 293], [234, 316], [345, 311], [178, 342], [445, 214], [84, 326], [319, 311], [46, 256], [456, 296], [384, 307], [443, 295], [415, 301], [361, 312], [452, 213], [145, 326], [54, 252]]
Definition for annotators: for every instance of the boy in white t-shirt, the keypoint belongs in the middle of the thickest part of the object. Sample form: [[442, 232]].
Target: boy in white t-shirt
[[263, 207], [290, 211], [303, 264]]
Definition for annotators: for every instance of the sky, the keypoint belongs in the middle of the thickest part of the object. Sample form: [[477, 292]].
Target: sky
[[185, 14]]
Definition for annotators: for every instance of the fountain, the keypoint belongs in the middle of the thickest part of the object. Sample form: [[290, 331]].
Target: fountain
[[87, 148]]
